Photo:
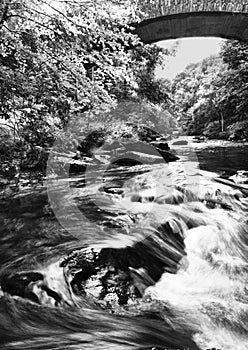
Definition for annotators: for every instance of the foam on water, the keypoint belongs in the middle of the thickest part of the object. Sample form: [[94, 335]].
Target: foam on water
[[203, 303]]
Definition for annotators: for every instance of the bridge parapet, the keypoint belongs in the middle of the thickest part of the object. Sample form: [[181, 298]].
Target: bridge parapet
[[156, 8]]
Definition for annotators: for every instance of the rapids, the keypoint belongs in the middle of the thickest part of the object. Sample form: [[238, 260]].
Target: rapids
[[178, 234]]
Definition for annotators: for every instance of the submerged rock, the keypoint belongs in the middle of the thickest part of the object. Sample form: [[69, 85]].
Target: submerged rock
[[180, 143], [16, 283], [115, 277], [46, 288]]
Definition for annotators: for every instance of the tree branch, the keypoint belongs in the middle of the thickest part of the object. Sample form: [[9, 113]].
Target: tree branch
[[5, 15], [36, 11], [33, 20], [10, 30], [58, 11]]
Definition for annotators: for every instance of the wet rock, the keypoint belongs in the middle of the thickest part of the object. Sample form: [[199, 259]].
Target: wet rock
[[168, 156], [241, 177], [141, 279], [87, 271], [173, 197], [164, 150], [180, 143], [16, 284], [143, 197], [161, 145], [35, 286], [127, 161], [114, 277], [103, 146], [153, 148], [144, 133], [139, 158], [113, 190], [199, 138], [40, 293], [145, 155], [77, 166], [226, 173], [101, 279]]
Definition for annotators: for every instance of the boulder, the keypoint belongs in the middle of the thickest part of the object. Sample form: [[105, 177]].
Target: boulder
[[161, 145], [114, 277], [133, 158], [168, 156], [180, 143]]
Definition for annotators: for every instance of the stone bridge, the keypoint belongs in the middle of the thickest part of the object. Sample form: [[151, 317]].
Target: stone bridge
[[172, 19]]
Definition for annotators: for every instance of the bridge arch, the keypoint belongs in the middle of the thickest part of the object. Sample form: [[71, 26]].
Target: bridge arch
[[226, 25]]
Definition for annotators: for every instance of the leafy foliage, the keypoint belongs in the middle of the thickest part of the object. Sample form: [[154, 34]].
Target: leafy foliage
[[211, 96], [61, 59]]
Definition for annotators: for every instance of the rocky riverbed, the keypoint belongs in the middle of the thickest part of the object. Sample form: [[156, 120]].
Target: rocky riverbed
[[154, 255]]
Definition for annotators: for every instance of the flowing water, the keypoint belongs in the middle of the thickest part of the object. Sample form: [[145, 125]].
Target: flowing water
[[179, 231]]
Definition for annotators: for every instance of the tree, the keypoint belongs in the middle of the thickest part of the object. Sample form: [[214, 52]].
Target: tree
[[235, 82], [211, 97], [61, 59], [197, 93]]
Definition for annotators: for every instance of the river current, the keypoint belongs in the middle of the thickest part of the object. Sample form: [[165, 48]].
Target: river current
[[177, 231]]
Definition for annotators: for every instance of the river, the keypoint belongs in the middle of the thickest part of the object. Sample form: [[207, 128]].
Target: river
[[152, 255]]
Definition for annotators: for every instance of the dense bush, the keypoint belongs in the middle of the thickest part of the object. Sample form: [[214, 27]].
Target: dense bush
[[238, 131]]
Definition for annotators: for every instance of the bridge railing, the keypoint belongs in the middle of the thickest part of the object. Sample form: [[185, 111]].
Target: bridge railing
[[154, 8]]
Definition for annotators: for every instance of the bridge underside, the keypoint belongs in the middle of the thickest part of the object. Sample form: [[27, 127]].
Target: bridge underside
[[225, 25]]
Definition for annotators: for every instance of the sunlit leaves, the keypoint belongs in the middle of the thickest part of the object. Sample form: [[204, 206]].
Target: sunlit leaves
[[61, 59], [214, 90]]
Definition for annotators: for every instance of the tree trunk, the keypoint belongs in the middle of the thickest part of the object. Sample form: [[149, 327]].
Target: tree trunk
[[222, 122]]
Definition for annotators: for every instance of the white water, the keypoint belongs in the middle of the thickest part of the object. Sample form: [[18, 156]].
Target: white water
[[208, 293]]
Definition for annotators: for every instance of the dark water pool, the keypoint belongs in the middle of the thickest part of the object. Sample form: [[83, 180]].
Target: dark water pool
[[216, 156], [219, 158]]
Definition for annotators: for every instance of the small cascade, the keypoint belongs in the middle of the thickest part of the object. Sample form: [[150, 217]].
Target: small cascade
[[160, 261]]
